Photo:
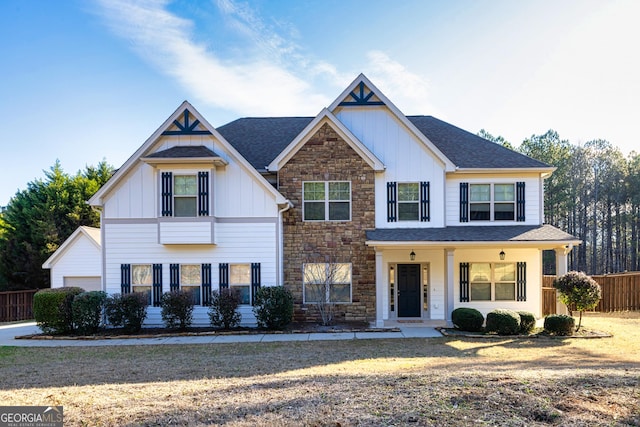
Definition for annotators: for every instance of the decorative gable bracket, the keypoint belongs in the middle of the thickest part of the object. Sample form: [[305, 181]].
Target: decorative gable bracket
[[186, 128], [360, 99]]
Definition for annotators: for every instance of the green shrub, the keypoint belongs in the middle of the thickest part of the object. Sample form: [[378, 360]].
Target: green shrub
[[273, 307], [177, 309], [87, 311], [503, 322], [52, 309], [467, 319], [527, 322], [559, 324], [223, 311], [579, 290], [127, 311]]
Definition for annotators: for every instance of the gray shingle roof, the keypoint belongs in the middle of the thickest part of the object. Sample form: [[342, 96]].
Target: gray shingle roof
[[179, 152], [261, 139], [467, 150], [507, 233]]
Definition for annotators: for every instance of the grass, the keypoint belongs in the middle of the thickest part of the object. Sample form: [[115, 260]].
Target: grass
[[443, 381]]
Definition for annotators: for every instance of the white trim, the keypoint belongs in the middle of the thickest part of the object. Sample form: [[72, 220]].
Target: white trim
[[325, 117], [92, 233], [547, 244]]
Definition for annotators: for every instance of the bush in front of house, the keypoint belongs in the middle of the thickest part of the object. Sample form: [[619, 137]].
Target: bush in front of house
[[527, 322], [177, 309], [127, 311], [559, 324], [467, 319], [579, 290], [52, 309], [223, 311], [87, 311], [503, 322], [273, 307]]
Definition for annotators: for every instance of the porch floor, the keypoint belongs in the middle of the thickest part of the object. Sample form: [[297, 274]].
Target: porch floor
[[417, 323]]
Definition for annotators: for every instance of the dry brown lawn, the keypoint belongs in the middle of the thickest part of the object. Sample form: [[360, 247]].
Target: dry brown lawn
[[416, 382]]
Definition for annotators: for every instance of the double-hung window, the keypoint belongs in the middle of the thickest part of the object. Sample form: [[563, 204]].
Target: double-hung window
[[191, 280], [141, 279], [185, 194], [327, 282], [491, 202], [326, 200], [492, 282], [408, 201], [240, 279]]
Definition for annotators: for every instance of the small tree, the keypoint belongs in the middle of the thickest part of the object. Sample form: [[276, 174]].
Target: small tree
[[578, 289], [324, 284]]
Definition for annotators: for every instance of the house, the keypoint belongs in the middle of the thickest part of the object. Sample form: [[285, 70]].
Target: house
[[78, 261], [409, 217]]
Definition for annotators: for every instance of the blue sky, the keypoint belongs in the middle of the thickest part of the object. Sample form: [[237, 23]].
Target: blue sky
[[84, 81]]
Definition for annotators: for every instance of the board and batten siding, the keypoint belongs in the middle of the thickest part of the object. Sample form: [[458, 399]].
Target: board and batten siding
[[238, 241], [406, 159], [235, 193], [533, 203], [533, 259], [81, 259]]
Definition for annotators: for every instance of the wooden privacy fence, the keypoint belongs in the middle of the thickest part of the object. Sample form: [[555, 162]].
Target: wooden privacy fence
[[16, 305], [620, 292]]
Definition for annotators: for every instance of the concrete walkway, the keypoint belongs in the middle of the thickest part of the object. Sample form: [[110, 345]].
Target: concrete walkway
[[9, 332]]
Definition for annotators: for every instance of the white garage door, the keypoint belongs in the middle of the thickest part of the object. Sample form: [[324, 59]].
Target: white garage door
[[90, 283]]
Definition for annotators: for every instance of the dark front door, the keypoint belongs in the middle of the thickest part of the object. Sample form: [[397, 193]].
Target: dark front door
[[408, 290]]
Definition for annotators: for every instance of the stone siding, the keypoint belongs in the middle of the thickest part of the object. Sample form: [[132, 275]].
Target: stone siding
[[327, 157]]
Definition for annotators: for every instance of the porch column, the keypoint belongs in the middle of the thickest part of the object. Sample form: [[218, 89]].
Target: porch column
[[448, 288], [380, 290], [561, 268]]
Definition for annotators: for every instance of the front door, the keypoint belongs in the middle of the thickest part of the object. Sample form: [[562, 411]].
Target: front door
[[408, 290]]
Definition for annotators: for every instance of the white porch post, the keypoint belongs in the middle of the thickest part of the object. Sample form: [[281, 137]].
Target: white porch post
[[561, 268], [380, 290], [448, 288]]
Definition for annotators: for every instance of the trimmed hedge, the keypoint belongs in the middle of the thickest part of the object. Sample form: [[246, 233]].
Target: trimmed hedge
[[87, 311], [559, 324], [177, 309], [503, 322], [467, 319], [223, 311], [527, 322], [52, 309], [273, 307], [128, 310]]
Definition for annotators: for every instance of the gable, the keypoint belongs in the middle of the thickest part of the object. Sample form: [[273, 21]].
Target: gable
[[83, 239]]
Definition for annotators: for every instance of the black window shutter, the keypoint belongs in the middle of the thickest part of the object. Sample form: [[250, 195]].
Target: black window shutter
[[464, 202], [167, 194], [521, 281], [125, 278], [157, 284], [520, 201], [206, 284], [425, 209], [391, 202], [224, 276], [464, 282], [174, 277], [203, 193], [255, 281]]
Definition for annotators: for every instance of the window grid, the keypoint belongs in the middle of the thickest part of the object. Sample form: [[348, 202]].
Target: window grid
[[492, 281], [326, 200], [492, 202], [332, 279]]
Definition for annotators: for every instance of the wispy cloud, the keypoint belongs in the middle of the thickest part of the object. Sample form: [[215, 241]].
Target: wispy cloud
[[273, 76]]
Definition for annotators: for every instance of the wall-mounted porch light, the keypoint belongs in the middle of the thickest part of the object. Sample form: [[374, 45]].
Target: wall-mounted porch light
[[412, 255], [502, 255]]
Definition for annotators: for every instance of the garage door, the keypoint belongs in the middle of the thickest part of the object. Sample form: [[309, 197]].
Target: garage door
[[90, 283]]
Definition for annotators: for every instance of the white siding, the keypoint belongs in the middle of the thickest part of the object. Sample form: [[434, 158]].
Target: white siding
[[406, 159], [533, 259], [237, 242], [81, 258], [532, 199], [186, 232]]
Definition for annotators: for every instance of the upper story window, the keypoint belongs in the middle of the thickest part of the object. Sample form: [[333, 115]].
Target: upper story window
[[408, 201], [185, 195], [326, 200], [492, 202]]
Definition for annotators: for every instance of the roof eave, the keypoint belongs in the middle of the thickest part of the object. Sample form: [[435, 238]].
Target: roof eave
[[155, 161], [544, 171], [543, 244]]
